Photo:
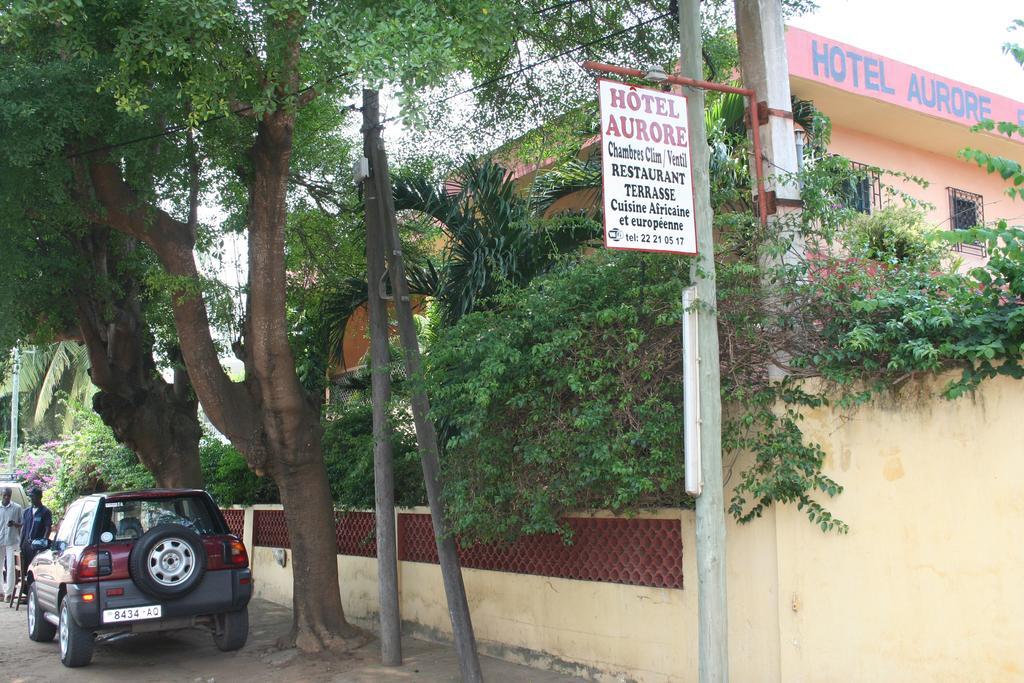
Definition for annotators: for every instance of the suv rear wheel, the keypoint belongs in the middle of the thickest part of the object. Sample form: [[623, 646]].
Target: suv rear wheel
[[76, 644], [39, 629], [167, 561], [231, 630]]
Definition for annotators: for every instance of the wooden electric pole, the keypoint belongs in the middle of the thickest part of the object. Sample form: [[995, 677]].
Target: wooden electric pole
[[426, 435], [380, 359], [765, 69], [713, 622], [764, 66]]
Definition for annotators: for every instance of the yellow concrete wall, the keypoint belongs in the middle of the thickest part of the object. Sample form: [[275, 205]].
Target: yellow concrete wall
[[928, 584], [927, 587]]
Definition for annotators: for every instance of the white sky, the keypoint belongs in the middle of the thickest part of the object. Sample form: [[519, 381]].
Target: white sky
[[954, 39]]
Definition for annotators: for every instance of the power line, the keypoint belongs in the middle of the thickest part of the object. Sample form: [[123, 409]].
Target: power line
[[173, 130], [533, 65], [557, 5]]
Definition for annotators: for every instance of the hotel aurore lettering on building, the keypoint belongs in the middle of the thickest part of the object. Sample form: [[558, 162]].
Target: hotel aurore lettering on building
[[838, 64]]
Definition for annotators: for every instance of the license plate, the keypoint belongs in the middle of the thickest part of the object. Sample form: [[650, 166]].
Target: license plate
[[131, 613]]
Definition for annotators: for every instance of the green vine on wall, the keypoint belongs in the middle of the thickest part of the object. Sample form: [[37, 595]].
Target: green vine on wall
[[564, 393]]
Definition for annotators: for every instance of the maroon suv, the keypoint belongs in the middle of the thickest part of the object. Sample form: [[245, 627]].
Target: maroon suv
[[151, 560]]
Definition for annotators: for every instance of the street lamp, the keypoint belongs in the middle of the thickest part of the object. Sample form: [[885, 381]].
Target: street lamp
[[656, 73], [15, 379], [800, 138]]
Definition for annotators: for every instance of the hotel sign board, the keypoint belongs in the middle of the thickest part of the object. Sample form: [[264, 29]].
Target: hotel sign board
[[823, 60], [645, 169]]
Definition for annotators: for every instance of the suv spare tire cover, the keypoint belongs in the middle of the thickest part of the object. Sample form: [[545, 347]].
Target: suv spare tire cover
[[168, 561]]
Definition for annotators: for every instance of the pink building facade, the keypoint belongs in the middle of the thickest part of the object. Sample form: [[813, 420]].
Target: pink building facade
[[894, 116]]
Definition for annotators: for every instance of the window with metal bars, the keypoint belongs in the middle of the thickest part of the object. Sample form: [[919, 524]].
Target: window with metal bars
[[966, 210], [864, 192]]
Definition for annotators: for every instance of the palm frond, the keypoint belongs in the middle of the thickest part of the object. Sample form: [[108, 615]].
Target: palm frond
[[60, 360], [334, 311], [46, 372], [726, 111]]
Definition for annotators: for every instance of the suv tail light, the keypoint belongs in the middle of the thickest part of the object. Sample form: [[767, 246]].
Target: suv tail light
[[235, 554], [93, 564]]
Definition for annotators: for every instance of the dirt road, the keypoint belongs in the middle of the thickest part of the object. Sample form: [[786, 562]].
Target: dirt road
[[190, 656], [187, 655]]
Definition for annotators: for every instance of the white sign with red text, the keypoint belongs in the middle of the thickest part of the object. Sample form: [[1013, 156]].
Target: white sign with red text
[[645, 169]]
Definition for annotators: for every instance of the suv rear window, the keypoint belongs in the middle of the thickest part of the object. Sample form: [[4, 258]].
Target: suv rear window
[[129, 519]]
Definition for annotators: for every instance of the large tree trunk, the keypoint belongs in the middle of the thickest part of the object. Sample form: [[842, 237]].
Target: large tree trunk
[[291, 417], [161, 429], [157, 420], [318, 620]]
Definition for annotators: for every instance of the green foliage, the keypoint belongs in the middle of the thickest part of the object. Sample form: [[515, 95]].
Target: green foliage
[[895, 235], [563, 394], [228, 478], [572, 177], [990, 337], [490, 238], [1007, 169], [51, 377], [564, 397], [876, 325], [785, 468], [887, 322], [91, 461], [348, 452], [1015, 50]]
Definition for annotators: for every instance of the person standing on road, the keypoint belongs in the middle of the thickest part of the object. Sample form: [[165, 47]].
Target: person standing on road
[[35, 524], [10, 526]]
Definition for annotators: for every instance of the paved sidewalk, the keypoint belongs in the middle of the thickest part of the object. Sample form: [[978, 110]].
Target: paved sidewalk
[[425, 661], [191, 657]]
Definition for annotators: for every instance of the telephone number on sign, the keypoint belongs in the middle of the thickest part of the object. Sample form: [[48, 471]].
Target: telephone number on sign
[[647, 238]]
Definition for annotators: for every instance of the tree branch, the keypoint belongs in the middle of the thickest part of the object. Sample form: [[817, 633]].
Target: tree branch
[[227, 404]]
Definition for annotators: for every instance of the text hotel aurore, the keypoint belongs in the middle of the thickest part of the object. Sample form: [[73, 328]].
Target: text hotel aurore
[[648, 196]]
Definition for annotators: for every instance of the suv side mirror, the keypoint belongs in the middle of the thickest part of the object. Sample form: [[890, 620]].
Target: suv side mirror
[[41, 544]]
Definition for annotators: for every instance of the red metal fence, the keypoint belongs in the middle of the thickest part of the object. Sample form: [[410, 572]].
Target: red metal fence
[[270, 529], [640, 552], [236, 521]]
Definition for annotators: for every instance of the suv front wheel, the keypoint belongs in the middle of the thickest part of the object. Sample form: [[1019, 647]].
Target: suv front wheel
[[39, 629], [76, 644]]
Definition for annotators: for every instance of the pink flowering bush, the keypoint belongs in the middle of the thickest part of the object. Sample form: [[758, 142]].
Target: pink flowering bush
[[37, 466]]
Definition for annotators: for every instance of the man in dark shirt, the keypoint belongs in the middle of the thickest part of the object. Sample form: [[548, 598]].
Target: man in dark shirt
[[35, 524]]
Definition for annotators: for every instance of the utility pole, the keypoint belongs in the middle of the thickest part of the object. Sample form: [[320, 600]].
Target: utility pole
[[426, 435], [713, 623], [15, 379], [765, 69], [380, 359]]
